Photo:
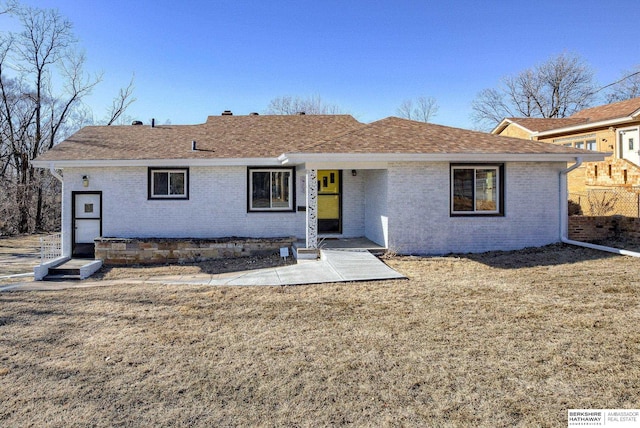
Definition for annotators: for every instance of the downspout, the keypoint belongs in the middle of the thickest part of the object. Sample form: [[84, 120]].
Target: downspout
[[54, 173], [564, 218]]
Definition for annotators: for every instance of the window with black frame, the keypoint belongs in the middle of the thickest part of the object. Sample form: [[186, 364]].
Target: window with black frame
[[270, 189], [168, 183], [477, 189]]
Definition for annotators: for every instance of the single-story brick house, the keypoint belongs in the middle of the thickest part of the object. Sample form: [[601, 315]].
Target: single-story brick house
[[408, 186]]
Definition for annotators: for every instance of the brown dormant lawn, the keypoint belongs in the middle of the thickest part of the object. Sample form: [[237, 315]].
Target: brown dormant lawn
[[19, 254], [498, 339]]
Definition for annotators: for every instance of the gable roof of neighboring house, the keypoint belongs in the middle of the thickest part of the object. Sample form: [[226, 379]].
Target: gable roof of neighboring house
[[537, 124], [230, 138], [625, 108], [588, 118]]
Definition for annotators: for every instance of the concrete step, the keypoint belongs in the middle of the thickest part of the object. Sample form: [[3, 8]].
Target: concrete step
[[64, 271], [73, 269], [306, 253], [62, 277]]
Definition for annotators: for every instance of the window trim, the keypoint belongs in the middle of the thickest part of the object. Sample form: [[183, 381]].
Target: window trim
[[500, 168], [270, 169], [150, 178]]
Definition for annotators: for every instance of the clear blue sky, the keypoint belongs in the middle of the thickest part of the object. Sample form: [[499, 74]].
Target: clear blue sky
[[192, 59]]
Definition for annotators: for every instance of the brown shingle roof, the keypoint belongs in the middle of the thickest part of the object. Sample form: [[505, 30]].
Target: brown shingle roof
[[224, 137], [609, 111], [594, 114], [219, 137], [395, 135], [537, 124]]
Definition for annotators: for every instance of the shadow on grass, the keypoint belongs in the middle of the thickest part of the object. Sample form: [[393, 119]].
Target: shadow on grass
[[550, 255]]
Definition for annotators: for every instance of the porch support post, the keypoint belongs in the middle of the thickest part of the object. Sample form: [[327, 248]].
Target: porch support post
[[312, 208]]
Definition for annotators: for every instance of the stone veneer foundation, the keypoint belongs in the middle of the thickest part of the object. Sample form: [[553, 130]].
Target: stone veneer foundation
[[130, 251]]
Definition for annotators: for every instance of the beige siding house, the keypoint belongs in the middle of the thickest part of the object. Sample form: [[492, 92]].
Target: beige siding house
[[612, 128]]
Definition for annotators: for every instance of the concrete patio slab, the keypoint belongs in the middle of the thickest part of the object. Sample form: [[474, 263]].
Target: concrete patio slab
[[334, 266], [358, 265]]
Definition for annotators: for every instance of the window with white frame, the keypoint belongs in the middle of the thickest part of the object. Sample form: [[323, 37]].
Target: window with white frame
[[168, 183], [477, 189], [270, 189], [587, 141]]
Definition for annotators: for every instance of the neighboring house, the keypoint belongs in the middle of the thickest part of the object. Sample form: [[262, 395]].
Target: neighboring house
[[408, 186], [612, 128]]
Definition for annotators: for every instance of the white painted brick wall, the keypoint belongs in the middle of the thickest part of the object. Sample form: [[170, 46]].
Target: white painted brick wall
[[412, 197], [352, 204], [376, 212], [217, 205], [419, 220]]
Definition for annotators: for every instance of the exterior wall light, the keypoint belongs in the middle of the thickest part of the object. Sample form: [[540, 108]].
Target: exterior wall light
[[85, 181], [354, 172]]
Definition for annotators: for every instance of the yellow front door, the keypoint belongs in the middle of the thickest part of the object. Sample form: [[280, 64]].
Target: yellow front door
[[329, 201]]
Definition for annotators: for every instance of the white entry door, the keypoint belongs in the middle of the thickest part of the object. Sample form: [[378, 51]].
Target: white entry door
[[87, 222], [630, 145]]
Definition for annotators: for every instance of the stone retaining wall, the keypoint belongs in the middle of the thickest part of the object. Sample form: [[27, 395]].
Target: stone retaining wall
[[589, 229], [129, 251]]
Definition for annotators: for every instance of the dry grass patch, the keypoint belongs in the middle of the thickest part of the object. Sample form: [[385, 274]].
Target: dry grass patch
[[19, 254], [500, 339], [209, 267]]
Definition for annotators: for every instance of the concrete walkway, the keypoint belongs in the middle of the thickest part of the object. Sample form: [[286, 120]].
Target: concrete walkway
[[334, 266]]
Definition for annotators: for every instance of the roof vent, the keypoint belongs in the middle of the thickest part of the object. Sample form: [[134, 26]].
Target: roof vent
[[136, 122], [254, 114], [301, 113], [227, 113]]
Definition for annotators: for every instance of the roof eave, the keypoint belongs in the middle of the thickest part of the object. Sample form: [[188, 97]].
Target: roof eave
[[318, 158], [298, 158], [585, 126], [501, 126], [505, 123], [68, 163]]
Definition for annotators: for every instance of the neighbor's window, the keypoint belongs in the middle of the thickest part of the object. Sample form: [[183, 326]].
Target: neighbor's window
[[168, 183], [591, 145], [476, 189], [271, 189]]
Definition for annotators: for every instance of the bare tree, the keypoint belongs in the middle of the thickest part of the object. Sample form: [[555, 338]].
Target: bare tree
[[627, 87], [42, 84], [8, 6], [295, 105], [423, 110], [559, 87], [120, 104]]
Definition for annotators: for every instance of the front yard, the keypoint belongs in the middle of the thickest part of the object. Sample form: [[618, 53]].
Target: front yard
[[498, 339]]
